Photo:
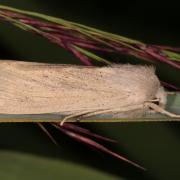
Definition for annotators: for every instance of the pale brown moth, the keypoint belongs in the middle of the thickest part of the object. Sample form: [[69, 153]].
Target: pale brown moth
[[70, 90]]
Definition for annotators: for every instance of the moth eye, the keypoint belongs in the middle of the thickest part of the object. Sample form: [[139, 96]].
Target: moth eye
[[156, 101]]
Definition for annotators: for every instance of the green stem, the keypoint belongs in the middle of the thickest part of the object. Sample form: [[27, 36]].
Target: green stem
[[122, 120]]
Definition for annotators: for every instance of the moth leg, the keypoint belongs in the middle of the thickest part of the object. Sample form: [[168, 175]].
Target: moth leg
[[161, 110], [129, 108], [74, 115]]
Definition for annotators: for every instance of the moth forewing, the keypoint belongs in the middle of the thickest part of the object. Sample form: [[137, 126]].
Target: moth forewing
[[70, 90]]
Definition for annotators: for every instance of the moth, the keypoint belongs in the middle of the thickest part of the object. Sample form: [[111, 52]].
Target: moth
[[124, 91]]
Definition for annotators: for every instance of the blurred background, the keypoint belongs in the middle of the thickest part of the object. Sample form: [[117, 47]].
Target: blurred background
[[26, 152]]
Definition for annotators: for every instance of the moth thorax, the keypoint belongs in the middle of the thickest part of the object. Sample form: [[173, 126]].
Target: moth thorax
[[161, 96]]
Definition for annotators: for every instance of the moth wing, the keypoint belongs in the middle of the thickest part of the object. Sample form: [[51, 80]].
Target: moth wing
[[31, 88]]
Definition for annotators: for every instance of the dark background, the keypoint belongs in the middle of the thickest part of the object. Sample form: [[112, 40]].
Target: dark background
[[155, 145]]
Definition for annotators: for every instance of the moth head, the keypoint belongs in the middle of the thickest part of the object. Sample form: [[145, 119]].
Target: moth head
[[161, 97]]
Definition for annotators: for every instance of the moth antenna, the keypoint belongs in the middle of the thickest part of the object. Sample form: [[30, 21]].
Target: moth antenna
[[74, 115]]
